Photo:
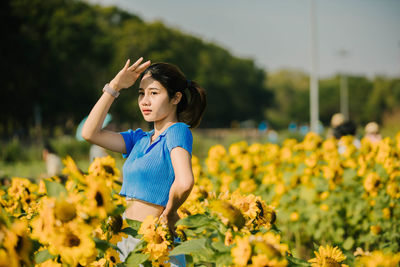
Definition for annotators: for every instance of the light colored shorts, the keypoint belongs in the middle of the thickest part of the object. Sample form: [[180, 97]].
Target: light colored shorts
[[126, 245]]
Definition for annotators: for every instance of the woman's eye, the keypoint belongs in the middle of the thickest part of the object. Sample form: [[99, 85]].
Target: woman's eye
[[154, 93], [141, 93]]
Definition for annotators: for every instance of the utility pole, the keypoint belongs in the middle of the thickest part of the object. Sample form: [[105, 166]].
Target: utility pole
[[314, 108], [344, 90]]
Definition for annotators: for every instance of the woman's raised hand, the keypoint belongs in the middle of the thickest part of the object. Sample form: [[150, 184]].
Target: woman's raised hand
[[128, 75]]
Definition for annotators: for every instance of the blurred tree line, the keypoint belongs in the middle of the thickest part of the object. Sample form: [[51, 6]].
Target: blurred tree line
[[58, 54], [375, 99]]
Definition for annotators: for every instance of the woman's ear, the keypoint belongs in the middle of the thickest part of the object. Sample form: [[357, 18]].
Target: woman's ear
[[177, 98]]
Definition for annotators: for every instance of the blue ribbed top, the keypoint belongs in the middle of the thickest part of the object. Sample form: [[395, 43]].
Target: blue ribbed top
[[148, 173]]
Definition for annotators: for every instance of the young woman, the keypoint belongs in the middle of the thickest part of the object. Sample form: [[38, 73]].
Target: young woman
[[157, 175]]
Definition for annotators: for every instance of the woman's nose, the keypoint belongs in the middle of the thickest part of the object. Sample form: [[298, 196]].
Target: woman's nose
[[145, 100]]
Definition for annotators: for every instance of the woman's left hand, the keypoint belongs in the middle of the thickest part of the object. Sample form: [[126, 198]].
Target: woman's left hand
[[170, 218]]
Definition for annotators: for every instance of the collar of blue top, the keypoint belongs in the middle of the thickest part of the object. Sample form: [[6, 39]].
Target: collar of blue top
[[150, 133]]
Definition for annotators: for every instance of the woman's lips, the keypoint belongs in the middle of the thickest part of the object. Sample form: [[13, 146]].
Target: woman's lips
[[146, 111]]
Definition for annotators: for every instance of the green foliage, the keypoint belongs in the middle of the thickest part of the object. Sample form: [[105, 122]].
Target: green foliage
[[68, 145], [61, 53], [369, 100], [135, 259], [54, 189], [43, 256]]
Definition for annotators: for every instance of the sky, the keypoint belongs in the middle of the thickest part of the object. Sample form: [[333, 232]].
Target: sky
[[276, 33]]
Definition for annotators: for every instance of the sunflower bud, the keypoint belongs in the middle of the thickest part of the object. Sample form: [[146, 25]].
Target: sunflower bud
[[64, 211], [228, 212]]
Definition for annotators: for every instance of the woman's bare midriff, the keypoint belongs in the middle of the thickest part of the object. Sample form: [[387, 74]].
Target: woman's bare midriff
[[138, 210]]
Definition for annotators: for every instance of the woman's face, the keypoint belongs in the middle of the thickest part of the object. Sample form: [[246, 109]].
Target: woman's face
[[154, 102]]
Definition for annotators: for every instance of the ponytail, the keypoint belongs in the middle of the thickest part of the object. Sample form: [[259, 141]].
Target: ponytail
[[190, 111]]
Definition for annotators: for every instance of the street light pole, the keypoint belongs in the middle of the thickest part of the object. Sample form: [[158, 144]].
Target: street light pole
[[344, 90], [314, 112]]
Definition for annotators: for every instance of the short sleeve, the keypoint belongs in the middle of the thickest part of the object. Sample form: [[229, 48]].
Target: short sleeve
[[181, 136], [130, 138]]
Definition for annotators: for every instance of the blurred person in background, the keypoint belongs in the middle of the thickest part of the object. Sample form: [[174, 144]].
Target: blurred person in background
[[96, 152], [336, 120], [372, 132], [53, 161], [345, 129]]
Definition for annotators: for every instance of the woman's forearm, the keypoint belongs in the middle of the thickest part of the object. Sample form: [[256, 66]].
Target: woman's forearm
[[94, 121], [177, 196]]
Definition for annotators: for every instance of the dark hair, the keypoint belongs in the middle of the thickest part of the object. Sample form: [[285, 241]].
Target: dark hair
[[48, 147], [346, 128], [191, 107]]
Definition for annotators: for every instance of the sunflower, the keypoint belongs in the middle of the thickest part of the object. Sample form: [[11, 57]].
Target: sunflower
[[212, 166], [74, 244], [294, 216], [228, 213], [64, 210], [72, 170], [17, 242], [44, 224], [274, 248], [372, 183], [262, 260], [328, 257], [49, 263], [105, 167], [242, 251], [237, 149], [20, 187], [112, 257], [196, 167], [99, 201], [246, 204], [393, 190], [191, 206], [116, 224], [8, 258], [158, 239], [379, 259], [158, 246], [148, 227], [266, 216], [217, 152], [247, 186]]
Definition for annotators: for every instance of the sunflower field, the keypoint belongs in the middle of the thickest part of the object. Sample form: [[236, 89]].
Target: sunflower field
[[310, 203]]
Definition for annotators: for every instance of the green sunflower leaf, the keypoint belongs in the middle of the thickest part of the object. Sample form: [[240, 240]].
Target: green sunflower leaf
[[101, 244], [43, 256], [296, 262], [54, 189], [191, 246], [134, 224], [197, 220], [135, 259], [130, 231]]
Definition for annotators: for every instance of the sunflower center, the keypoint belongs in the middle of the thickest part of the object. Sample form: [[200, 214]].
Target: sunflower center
[[19, 244], [158, 239], [108, 169], [73, 240], [329, 262], [99, 199], [259, 205], [245, 206]]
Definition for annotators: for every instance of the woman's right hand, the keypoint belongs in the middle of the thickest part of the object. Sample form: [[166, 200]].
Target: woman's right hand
[[128, 75]]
